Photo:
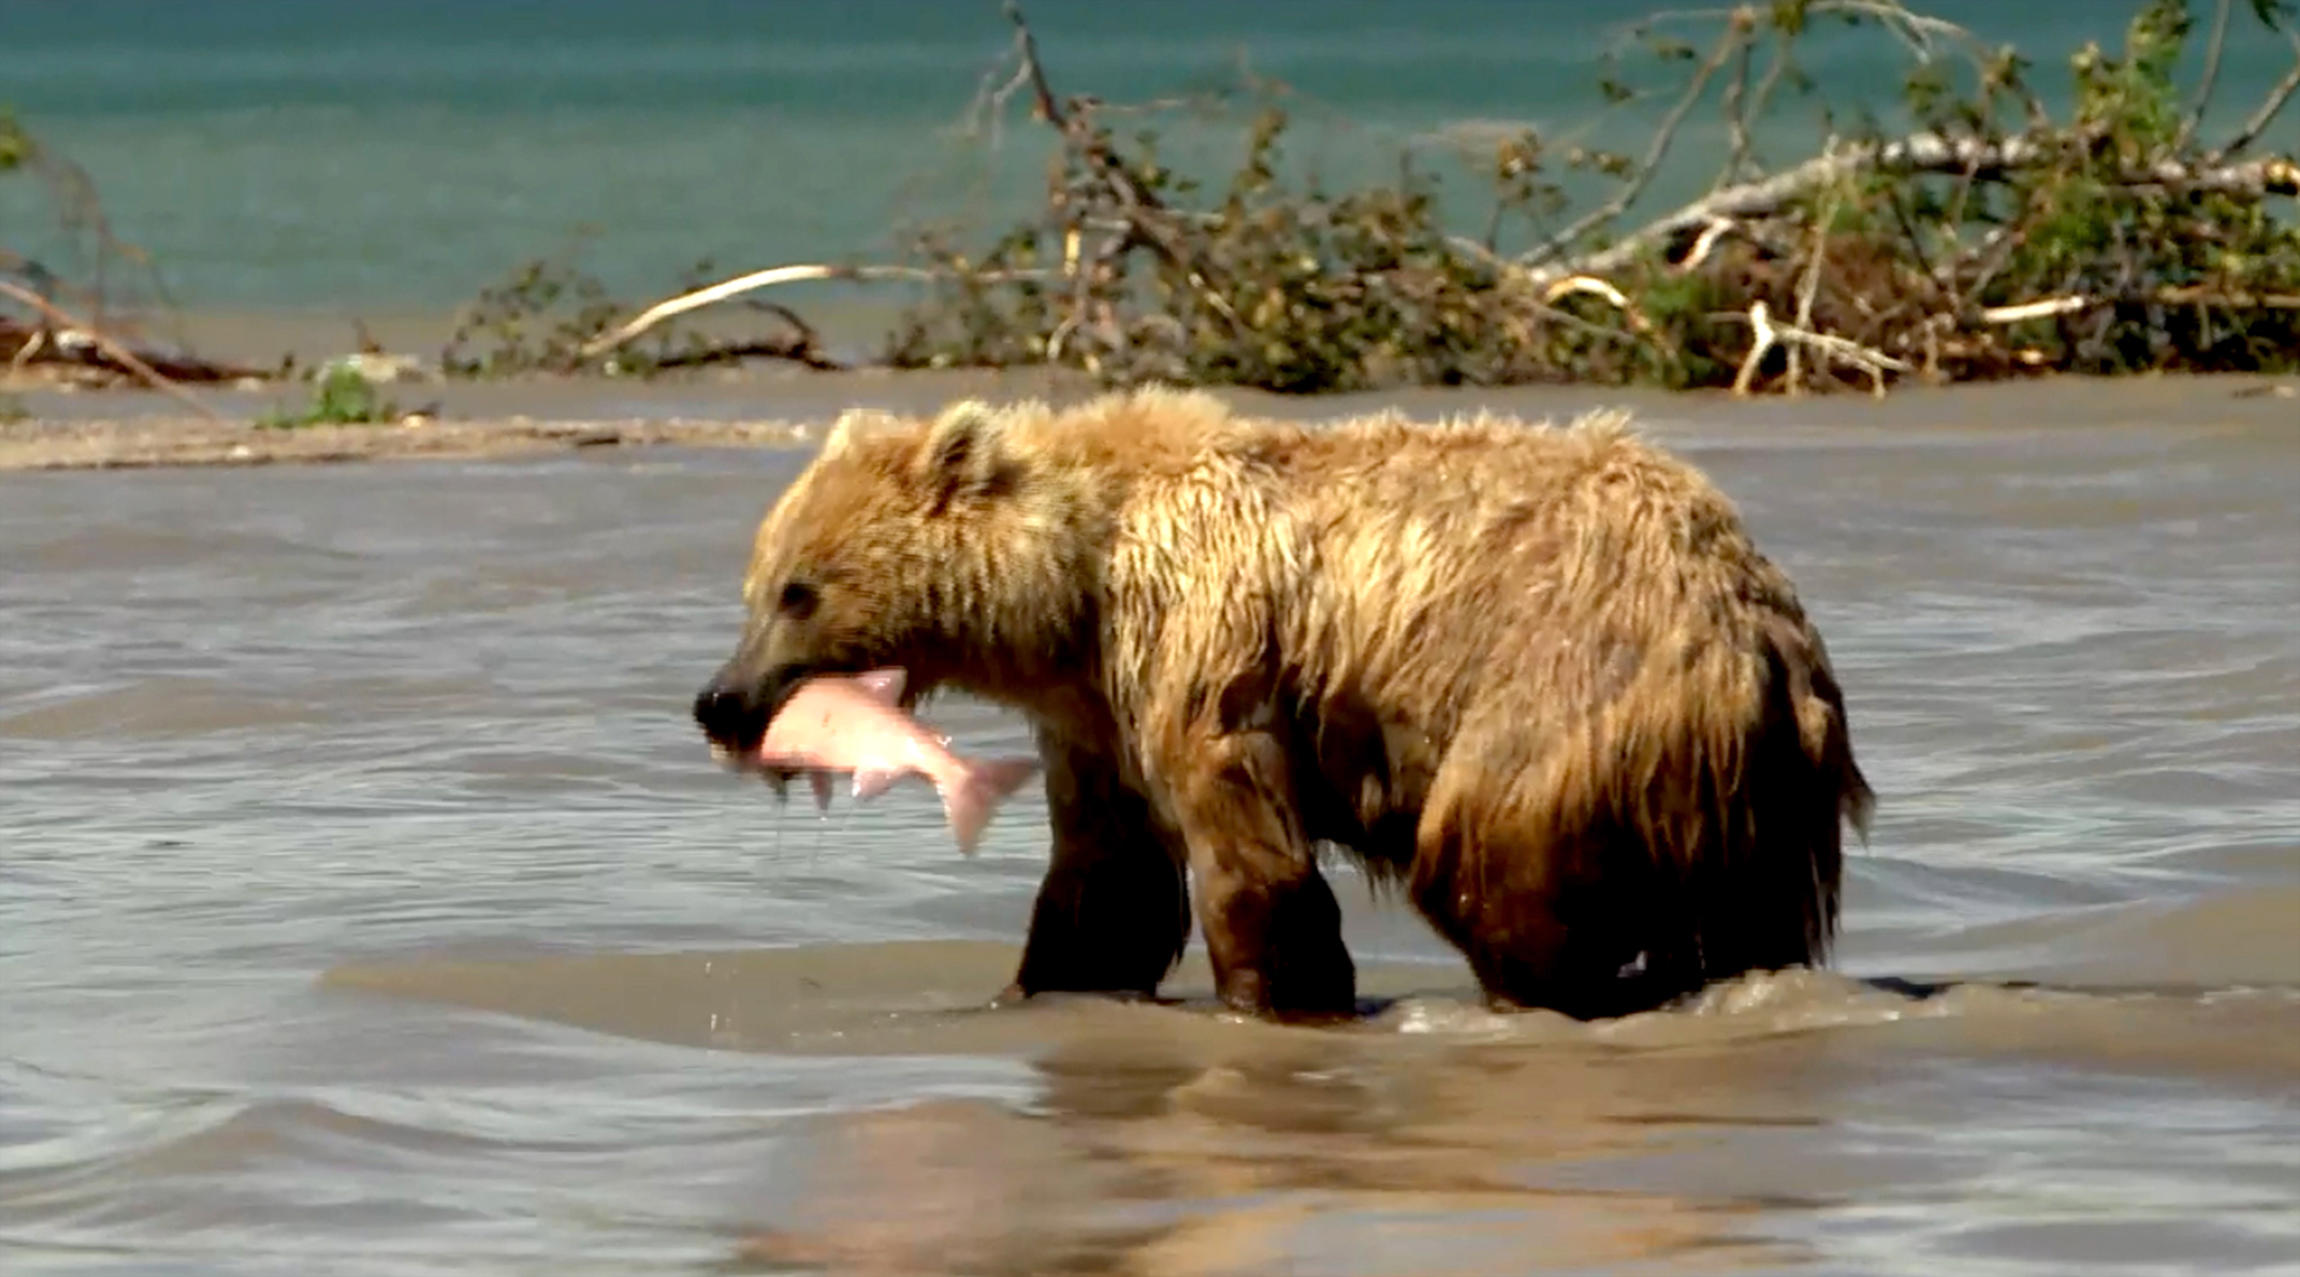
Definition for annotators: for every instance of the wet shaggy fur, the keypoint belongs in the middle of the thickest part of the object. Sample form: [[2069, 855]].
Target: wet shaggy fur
[[1535, 677]]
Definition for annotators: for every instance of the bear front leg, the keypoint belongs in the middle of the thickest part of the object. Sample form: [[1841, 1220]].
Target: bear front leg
[[1114, 911], [1273, 928]]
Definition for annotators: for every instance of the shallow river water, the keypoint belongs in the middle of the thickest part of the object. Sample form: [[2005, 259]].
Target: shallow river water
[[368, 904]]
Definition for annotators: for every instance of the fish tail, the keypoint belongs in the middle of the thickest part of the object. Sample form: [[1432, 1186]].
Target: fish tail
[[979, 791]]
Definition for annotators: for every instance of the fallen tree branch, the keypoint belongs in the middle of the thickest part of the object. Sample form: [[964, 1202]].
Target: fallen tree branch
[[27, 344], [1913, 29], [1869, 263], [120, 354], [1921, 153], [1736, 121], [78, 211], [2271, 106], [2203, 101], [1591, 284], [1736, 37], [1808, 287], [1553, 291], [2051, 307], [1770, 334], [672, 307], [787, 348]]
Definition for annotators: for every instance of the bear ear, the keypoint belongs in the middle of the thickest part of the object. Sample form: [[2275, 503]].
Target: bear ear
[[842, 434], [965, 451]]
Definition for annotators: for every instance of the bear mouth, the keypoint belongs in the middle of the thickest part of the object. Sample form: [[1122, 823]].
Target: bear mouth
[[738, 736], [773, 694], [734, 718]]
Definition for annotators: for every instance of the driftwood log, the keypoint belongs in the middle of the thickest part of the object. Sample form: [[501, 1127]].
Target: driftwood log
[[67, 340]]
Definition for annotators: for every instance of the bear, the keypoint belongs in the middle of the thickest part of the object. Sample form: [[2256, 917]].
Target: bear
[[1534, 677]]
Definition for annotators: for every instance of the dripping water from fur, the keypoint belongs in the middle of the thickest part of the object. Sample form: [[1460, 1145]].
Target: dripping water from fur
[[820, 818]]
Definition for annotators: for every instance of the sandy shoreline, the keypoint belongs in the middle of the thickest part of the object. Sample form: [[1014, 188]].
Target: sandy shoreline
[[160, 441], [129, 428], [138, 429]]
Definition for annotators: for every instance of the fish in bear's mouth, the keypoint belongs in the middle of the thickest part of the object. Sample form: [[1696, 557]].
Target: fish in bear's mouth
[[856, 725], [742, 724], [735, 717]]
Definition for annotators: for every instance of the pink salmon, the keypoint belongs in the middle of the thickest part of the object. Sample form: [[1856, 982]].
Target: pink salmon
[[855, 723]]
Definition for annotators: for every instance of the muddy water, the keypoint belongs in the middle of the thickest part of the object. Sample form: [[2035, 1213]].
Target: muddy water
[[369, 906]]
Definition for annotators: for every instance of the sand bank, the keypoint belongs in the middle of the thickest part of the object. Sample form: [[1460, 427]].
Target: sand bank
[[118, 429]]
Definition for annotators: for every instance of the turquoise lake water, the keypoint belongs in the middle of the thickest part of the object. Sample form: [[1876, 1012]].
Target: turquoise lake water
[[285, 154]]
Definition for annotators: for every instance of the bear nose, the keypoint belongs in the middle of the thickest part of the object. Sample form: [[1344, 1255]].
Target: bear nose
[[729, 717]]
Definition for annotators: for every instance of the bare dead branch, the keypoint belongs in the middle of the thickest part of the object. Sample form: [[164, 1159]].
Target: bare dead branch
[[1656, 151], [120, 354], [1784, 47], [2265, 114], [1807, 287], [1896, 285], [1770, 334], [1026, 49], [672, 307], [2203, 101], [1922, 153], [1920, 33], [1572, 284], [2074, 303], [1913, 29], [1736, 121], [1703, 244]]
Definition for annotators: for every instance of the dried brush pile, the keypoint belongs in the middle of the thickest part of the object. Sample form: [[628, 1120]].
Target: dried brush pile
[[1993, 239]]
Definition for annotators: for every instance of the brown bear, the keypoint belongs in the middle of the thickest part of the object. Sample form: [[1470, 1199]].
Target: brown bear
[[1536, 676]]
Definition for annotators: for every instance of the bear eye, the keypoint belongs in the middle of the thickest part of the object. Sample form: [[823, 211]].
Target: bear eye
[[798, 600]]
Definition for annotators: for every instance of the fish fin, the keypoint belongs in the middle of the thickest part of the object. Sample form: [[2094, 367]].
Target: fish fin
[[980, 790], [870, 782], [884, 684], [821, 780]]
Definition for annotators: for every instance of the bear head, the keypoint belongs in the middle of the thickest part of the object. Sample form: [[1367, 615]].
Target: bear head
[[957, 549]]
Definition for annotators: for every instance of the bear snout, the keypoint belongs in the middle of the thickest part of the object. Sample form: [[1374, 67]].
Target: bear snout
[[736, 706], [731, 717]]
